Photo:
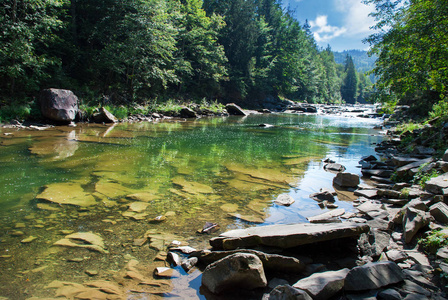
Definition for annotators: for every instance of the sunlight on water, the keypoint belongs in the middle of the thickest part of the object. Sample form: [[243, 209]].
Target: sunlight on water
[[114, 181]]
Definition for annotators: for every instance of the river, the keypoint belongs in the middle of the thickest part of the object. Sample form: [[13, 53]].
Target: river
[[138, 186]]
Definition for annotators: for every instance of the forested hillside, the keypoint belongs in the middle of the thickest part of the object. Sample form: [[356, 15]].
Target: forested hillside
[[363, 62], [141, 51]]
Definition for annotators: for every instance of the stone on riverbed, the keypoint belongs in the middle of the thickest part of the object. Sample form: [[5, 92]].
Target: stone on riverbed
[[284, 200], [67, 193], [323, 196], [87, 240], [334, 167], [287, 236], [346, 180], [241, 270]]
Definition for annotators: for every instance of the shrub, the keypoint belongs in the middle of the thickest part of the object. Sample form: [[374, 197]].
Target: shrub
[[433, 241]]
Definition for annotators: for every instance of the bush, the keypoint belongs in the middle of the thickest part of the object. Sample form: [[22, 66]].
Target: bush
[[433, 241], [15, 112]]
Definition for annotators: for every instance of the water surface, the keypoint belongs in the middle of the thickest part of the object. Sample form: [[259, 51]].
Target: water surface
[[114, 180]]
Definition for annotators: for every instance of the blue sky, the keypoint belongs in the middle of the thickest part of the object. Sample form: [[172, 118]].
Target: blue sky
[[341, 23]]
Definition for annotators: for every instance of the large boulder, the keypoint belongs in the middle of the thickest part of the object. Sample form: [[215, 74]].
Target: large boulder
[[346, 180], [287, 236], [321, 286], [373, 276], [186, 112], [240, 270], [234, 109], [413, 221], [58, 105], [440, 212], [104, 116]]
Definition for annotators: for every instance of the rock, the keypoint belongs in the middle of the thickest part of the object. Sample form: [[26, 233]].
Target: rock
[[373, 276], [372, 209], [367, 193], [323, 218], [234, 109], [323, 196], [380, 180], [413, 221], [87, 240], [138, 206], [67, 193], [440, 212], [189, 263], [322, 286], [400, 161], [174, 259], [28, 240], [445, 156], [396, 255], [58, 105], [284, 199], [91, 272], [271, 262], [186, 112], [442, 253], [286, 236], [377, 173], [334, 167], [274, 282], [166, 272], [402, 171], [286, 292], [374, 242], [104, 116], [346, 180], [437, 184], [424, 150], [240, 270], [389, 294], [369, 158]]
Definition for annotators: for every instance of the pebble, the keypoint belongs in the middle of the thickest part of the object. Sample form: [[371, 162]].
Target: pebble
[[91, 272], [28, 239]]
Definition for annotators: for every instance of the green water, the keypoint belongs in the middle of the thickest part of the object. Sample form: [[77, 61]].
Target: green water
[[222, 170]]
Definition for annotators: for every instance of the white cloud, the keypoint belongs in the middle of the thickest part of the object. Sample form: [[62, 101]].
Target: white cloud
[[324, 32], [356, 16]]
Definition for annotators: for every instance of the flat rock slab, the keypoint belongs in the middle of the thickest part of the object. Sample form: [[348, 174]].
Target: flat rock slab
[[327, 216], [437, 184], [373, 276], [368, 193], [321, 286], [286, 236]]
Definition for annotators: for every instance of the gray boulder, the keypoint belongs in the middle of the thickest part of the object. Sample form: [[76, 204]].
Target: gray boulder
[[234, 109], [284, 200], [240, 270], [440, 212], [373, 276], [445, 156], [346, 180], [322, 286], [104, 116], [437, 184], [402, 171], [413, 221], [287, 236], [389, 294], [323, 196], [286, 292], [186, 112], [373, 243], [58, 105], [334, 167]]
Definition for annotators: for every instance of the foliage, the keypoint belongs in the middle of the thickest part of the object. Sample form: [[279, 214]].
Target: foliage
[[422, 176], [439, 110], [410, 64], [433, 241], [350, 84]]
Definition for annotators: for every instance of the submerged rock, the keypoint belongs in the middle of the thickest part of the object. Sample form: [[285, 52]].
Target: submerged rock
[[67, 193], [86, 240], [240, 270], [287, 236]]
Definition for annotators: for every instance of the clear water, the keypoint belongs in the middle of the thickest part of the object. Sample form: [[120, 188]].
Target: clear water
[[221, 170]]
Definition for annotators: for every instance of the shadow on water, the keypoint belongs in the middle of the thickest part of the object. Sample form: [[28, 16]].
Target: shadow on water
[[140, 186]]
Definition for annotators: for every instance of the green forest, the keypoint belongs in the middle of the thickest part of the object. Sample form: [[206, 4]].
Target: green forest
[[141, 51], [411, 43]]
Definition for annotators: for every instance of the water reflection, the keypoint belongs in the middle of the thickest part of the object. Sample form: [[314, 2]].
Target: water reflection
[[117, 180]]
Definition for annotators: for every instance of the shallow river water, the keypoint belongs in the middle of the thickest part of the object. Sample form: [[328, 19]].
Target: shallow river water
[[137, 187]]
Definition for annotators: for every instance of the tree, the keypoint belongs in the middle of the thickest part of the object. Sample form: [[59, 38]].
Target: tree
[[350, 82], [412, 49], [28, 30]]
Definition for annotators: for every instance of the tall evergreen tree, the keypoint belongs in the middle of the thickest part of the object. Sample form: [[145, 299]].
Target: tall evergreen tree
[[350, 83]]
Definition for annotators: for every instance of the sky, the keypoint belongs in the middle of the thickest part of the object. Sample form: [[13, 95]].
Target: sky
[[342, 24]]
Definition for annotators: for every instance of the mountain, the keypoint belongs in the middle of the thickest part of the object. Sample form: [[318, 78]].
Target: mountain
[[361, 59]]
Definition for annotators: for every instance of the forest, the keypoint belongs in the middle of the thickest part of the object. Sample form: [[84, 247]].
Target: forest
[[141, 51]]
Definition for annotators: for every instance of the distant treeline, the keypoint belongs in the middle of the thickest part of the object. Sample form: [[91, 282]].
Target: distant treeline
[[138, 51]]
